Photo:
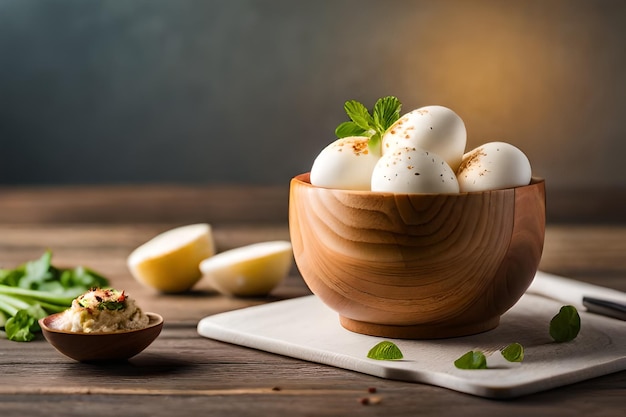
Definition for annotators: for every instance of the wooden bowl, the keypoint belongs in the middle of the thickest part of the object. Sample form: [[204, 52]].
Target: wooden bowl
[[417, 265], [96, 347]]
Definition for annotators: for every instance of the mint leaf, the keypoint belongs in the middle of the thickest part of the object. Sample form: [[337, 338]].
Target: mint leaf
[[347, 129], [513, 352], [471, 360], [359, 114], [386, 112], [385, 351], [564, 327]]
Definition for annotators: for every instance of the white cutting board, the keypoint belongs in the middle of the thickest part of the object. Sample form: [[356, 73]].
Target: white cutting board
[[305, 328]]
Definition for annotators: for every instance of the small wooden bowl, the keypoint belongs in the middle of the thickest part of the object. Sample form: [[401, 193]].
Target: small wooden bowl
[[96, 347], [417, 265]]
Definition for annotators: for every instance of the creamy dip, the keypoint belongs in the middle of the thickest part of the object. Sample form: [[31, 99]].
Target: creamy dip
[[103, 310]]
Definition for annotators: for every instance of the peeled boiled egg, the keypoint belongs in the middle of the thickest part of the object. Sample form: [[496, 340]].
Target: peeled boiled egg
[[433, 128], [413, 170], [346, 163], [251, 270], [169, 261], [493, 166]]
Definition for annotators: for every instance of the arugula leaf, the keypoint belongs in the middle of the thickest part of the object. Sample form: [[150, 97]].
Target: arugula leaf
[[385, 351], [564, 327], [472, 360], [513, 352]]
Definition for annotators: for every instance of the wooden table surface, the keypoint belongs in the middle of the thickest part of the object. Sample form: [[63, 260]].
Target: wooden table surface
[[182, 373]]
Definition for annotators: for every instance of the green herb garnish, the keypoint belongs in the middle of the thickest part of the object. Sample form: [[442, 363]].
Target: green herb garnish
[[513, 352], [37, 288], [478, 360], [385, 351], [362, 123], [564, 327], [472, 360], [112, 305]]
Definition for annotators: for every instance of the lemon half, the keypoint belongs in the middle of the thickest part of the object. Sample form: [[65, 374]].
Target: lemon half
[[170, 261], [247, 271]]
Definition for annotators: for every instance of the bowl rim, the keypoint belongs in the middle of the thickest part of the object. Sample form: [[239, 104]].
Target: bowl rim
[[305, 179], [155, 321]]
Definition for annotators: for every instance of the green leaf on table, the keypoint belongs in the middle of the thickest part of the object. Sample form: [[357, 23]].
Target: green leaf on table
[[513, 352], [385, 351], [24, 323], [37, 272], [564, 327], [37, 288], [472, 360]]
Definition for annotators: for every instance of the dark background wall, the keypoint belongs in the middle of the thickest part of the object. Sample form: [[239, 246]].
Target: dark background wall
[[234, 91]]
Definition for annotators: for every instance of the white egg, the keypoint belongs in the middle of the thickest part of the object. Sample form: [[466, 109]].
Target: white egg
[[413, 170], [493, 166], [433, 128], [346, 163]]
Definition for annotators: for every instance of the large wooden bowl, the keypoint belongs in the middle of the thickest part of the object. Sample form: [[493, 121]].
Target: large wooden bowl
[[417, 265]]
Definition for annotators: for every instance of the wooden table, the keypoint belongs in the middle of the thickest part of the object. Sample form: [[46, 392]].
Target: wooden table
[[184, 374]]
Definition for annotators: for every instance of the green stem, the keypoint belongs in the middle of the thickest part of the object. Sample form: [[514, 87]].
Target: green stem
[[7, 305], [61, 299]]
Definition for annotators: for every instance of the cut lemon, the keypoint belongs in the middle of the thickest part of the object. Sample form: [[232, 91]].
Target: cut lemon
[[249, 271], [170, 261]]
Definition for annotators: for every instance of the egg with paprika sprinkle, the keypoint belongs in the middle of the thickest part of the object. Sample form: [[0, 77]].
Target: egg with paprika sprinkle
[[434, 128], [347, 164], [493, 166], [413, 171]]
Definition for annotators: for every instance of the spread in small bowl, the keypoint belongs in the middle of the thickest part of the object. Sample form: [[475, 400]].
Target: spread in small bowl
[[101, 325], [102, 310]]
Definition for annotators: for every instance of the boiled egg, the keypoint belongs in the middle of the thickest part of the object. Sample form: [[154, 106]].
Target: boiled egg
[[433, 128], [169, 262], [413, 170], [347, 164], [251, 270], [493, 166]]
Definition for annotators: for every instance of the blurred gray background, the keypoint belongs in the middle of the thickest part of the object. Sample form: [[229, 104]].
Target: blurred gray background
[[236, 91]]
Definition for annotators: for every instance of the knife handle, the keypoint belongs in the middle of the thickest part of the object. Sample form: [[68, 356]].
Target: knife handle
[[605, 307]]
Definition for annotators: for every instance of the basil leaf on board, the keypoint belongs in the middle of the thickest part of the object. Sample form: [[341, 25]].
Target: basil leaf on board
[[513, 352], [472, 360], [564, 327], [385, 351]]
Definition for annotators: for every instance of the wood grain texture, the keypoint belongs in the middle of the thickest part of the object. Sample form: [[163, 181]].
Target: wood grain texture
[[184, 374], [236, 205], [417, 266]]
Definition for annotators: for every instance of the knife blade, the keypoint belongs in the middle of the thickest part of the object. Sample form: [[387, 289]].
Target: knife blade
[[584, 296]]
